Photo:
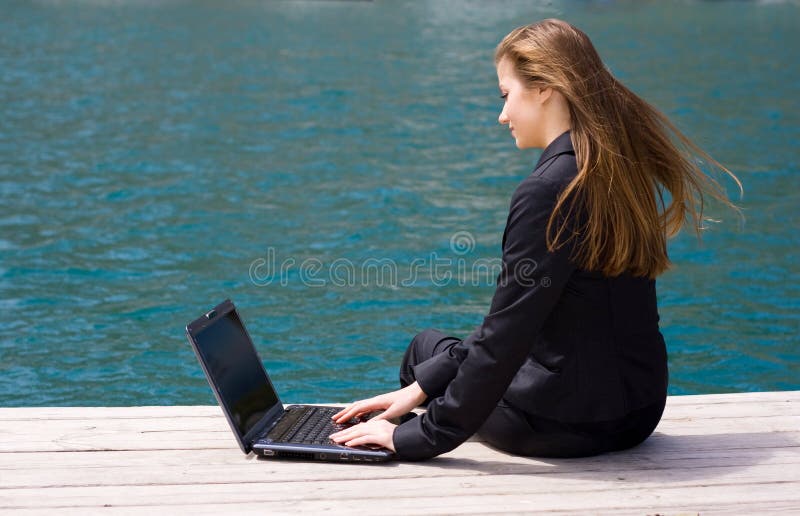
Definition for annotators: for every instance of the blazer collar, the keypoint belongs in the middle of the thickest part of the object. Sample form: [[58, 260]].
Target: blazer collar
[[561, 145]]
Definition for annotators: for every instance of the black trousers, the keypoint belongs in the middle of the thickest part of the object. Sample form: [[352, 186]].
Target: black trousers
[[514, 431]]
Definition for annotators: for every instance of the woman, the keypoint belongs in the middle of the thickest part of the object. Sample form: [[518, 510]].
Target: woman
[[570, 360]]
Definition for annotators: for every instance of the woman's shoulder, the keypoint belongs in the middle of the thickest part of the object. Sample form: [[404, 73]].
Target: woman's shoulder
[[549, 178], [561, 168]]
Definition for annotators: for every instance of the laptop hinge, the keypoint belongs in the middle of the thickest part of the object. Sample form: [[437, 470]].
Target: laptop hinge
[[259, 428]]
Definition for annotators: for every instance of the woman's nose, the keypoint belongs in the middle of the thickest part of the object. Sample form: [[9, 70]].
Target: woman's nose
[[503, 118]]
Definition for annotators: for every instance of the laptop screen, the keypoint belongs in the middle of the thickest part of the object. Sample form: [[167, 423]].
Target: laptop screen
[[232, 362]]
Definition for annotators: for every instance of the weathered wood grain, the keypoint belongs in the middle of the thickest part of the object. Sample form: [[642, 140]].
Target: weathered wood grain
[[715, 454]]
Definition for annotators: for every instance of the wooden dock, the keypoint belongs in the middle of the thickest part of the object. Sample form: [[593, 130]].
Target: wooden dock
[[728, 453]]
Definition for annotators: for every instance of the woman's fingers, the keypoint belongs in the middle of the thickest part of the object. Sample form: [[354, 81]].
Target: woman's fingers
[[345, 410], [403, 402], [352, 411], [347, 433], [393, 411], [360, 441], [352, 408], [395, 403], [356, 409], [345, 413], [372, 432]]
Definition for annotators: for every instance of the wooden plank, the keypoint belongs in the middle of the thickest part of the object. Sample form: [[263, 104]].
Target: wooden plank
[[516, 492], [733, 398], [764, 407], [156, 428], [87, 413], [704, 402], [156, 422], [141, 468], [745, 447], [672, 508], [171, 433], [710, 454]]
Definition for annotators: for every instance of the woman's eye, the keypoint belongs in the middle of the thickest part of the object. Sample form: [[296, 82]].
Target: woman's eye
[[504, 96]]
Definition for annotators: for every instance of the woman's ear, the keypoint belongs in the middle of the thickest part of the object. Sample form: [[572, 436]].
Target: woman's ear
[[545, 94]]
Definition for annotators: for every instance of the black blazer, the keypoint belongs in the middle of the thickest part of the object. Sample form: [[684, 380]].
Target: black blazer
[[558, 342]]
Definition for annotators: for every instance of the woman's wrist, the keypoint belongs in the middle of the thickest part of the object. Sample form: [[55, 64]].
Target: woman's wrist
[[394, 446], [418, 393]]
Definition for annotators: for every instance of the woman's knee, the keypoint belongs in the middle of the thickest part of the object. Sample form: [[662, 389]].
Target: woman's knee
[[426, 338], [423, 346], [413, 356], [428, 343]]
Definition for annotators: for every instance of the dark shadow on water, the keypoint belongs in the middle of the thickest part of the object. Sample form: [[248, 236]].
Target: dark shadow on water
[[662, 457]]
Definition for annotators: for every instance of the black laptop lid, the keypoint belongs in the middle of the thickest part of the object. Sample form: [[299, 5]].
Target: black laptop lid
[[233, 369]]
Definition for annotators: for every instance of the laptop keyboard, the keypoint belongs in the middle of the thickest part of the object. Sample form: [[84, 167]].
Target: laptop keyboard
[[312, 427]]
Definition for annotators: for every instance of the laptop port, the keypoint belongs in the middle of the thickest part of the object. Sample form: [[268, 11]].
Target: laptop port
[[342, 456], [356, 458]]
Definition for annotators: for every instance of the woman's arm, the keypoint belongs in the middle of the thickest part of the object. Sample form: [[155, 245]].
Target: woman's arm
[[528, 289]]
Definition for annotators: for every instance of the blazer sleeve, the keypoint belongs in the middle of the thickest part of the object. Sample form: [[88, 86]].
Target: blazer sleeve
[[436, 373], [484, 364]]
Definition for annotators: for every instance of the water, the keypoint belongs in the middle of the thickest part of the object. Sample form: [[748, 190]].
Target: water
[[153, 153]]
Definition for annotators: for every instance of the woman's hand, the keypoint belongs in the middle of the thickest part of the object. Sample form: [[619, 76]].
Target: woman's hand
[[374, 431], [395, 403]]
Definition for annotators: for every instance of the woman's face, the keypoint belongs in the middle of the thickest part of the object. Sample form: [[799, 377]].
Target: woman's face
[[522, 110]]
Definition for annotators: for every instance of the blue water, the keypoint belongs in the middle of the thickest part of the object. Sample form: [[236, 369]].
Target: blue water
[[154, 156]]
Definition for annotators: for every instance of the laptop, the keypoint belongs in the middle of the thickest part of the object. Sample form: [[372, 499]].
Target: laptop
[[254, 411]]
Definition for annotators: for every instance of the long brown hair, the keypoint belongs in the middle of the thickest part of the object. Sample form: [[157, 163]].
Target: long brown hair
[[628, 154]]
